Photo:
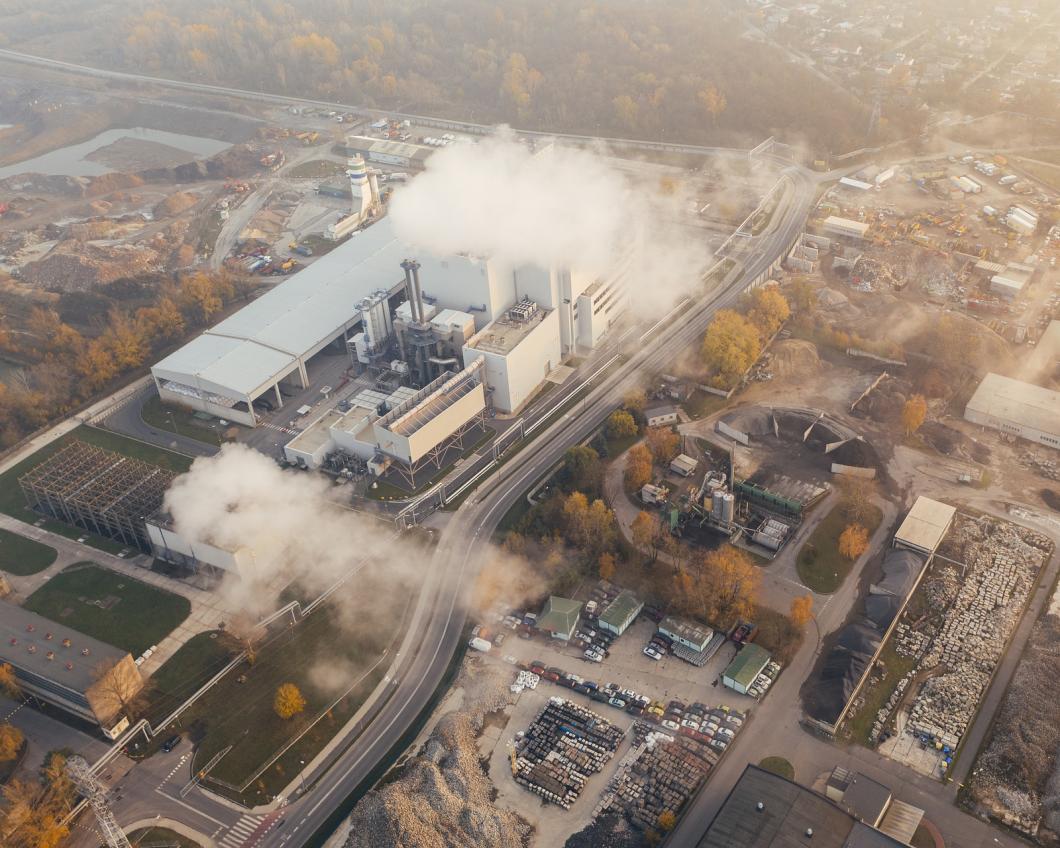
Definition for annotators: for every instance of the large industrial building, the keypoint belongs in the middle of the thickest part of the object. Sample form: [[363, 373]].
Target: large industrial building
[[99, 491], [80, 675], [396, 154], [1017, 408]]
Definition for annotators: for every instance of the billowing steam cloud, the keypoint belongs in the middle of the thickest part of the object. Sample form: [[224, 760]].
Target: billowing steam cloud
[[291, 531], [561, 207]]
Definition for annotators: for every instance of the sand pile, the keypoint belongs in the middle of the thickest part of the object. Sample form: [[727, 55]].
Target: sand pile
[[76, 266], [795, 358], [174, 204]]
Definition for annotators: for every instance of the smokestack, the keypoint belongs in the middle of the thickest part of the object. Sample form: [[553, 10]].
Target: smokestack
[[410, 289], [419, 290]]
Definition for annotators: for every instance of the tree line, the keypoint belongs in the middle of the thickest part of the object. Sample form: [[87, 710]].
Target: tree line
[[679, 71], [66, 366]]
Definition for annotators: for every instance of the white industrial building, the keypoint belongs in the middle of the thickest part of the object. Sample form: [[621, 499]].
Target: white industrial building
[[835, 225], [925, 526], [1018, 408], [171, 546]]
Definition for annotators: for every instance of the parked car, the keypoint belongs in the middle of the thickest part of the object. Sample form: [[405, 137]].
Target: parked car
[[550, 675], [617, 702], [649, 651], [670, 724], [593, 656], [728, 733], [718, 744], [599, 696], [171, 743]]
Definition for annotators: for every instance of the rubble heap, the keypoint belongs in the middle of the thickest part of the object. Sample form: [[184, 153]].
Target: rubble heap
[[1002, 562], [443, 798]]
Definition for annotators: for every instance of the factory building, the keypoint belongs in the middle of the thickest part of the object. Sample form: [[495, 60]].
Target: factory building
[[76, 673], [171, 546], [518, 351], [1011, 281], [395, 154], [1017, 408]]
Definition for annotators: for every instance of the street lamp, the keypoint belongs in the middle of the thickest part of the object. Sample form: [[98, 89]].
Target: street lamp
[[301, 774]]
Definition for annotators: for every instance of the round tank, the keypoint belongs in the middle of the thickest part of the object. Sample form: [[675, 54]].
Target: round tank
[[728, 507], [716, 503]]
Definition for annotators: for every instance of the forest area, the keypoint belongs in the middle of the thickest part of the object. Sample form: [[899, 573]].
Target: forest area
[[676, 70]]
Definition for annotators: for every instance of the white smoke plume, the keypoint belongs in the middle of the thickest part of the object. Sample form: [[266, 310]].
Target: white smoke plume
[[290, 530], [283, 522], [561, 207]]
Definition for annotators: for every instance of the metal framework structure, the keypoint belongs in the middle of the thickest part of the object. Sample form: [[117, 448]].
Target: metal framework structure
[[99, 491], [96, 794]]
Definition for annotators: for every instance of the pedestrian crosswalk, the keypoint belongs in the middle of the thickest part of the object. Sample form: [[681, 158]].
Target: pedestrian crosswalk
[[240, 833], [277, 427]]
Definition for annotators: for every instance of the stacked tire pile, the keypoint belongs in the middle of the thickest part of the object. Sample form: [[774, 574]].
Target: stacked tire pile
[[562, 749]]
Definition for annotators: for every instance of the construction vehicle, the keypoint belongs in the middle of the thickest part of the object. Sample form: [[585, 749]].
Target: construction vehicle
[[287, 266]]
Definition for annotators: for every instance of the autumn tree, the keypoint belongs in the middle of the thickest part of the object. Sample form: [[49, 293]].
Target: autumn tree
[[853, 541], [646, 531], [606, 566], [856, 495], [666, 821], [803, 295], [713, 102], [730, 346], [621, 425], [720, 586], [913, 414], [576, 518], [116, 686], [768, 310], [638, 467], [10, 742], [9, 684], [663, 443], [634, 401], [33, 810], [289, 701], [801, 610]]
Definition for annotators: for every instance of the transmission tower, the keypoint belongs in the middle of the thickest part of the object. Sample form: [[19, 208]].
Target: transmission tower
[[96, 794]]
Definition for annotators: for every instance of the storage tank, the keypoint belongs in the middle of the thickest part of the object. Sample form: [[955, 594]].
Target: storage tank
[[728, 507], [717, 504]]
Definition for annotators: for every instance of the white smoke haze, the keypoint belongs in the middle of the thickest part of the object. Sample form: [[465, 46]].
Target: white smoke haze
[[294, 532], [240, 499], [561, 207]]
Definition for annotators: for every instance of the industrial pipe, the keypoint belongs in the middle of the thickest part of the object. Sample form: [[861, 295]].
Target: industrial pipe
[[410, 290]]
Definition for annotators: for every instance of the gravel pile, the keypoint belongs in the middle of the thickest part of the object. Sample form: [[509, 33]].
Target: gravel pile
[[443, 798]]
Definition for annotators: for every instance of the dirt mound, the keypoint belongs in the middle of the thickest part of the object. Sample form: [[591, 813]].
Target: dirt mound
[[795, 358], [443, 799], [942, 438], [1051, 498], [107, 183], [240, 160], [44, 184], [176, 203], [76, 266]]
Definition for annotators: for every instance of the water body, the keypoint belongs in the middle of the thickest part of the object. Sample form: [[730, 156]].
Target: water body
[[70, 161]]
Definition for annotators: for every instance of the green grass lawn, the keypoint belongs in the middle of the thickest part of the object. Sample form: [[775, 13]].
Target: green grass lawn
[[778, 765], [820, 566], [22, 556], [701, 404], [316, 169], [174, 419], [14, 504], [110, 607], [858, 725], [323, 655]]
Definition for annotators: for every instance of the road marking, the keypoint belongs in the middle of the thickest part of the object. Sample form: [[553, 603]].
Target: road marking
[[190, 807], [176, 768], [241, 831]]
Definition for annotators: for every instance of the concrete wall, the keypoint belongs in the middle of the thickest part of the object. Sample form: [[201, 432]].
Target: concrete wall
[[514, 376], [1031, 434]]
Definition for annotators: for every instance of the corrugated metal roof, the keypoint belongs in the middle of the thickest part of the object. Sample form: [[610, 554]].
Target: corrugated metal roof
[[748, 664]]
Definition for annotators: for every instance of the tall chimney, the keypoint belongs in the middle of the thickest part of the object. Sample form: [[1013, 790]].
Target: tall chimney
[[419, 291], [410, 289]]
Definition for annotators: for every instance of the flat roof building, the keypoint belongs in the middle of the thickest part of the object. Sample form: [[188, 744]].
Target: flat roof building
[[684, 465], [381, 151], [657, 416], [559, 617], [620, 613], [1018, 408], [765, 810], [835, 225], [74, 672], [686, 633], [925, 526]]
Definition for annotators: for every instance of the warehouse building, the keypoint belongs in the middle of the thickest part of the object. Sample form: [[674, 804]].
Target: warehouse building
[[76, 673], [620, 613], [99, 491], [686, 633], [745, 668], [925, 526], [836, 226], [395, 154], [1017, 408], [765, 810], [559, 617]]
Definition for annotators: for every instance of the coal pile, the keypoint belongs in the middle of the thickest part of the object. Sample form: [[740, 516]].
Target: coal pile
[[564, 746]]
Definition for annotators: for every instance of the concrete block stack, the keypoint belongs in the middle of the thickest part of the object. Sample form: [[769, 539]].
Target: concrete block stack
[[564, 746], [1003, 561]]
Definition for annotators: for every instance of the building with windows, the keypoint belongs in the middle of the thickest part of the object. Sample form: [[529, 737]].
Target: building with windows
[[76, 673], [620, 613], [1018, 408]]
